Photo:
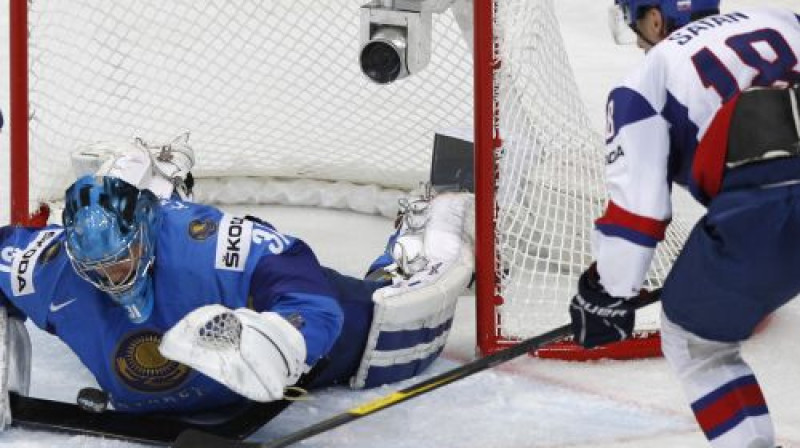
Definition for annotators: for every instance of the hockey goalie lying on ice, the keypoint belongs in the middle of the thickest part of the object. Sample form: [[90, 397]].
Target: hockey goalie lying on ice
[[178, 307]]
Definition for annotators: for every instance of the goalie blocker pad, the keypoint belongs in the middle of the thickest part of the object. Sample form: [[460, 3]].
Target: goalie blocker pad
[[162, 169], [412, 318]]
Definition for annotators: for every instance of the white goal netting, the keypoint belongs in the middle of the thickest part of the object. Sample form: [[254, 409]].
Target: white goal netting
[[550, 177], [273, 90], [267, 89]]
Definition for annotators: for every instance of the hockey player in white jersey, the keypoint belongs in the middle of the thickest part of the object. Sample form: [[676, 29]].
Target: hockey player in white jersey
[[713, 108]]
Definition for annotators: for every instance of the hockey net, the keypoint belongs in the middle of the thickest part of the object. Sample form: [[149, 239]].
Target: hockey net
[[274, 100]]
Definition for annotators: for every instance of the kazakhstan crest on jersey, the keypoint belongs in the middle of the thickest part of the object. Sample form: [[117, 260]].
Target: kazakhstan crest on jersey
[[201, 229], [141, 366]]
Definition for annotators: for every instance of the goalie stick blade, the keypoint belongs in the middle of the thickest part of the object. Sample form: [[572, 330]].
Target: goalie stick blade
[[56, 416]]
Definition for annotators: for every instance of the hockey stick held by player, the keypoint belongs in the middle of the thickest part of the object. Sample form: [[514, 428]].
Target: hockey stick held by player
[[713, 108], [178, 307]]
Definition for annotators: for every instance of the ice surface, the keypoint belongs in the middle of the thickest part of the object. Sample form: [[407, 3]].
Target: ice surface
[[524, 403]]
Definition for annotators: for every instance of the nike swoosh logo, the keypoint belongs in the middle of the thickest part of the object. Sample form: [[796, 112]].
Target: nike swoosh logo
[[54, 308]]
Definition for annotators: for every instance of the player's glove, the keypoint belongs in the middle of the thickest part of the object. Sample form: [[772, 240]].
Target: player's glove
[[257, 355], [597, 317]]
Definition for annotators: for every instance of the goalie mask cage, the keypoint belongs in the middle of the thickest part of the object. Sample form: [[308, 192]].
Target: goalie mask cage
[[272, 91]]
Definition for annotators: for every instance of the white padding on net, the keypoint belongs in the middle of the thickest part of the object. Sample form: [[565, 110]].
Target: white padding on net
[[366, 199]]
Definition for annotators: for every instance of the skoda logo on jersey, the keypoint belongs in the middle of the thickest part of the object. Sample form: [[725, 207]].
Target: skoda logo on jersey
[[233, 243], [24, 263], [139, 364], [201, 229]]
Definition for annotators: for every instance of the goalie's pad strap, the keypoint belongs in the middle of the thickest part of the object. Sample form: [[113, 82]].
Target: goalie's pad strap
[[411, 322]]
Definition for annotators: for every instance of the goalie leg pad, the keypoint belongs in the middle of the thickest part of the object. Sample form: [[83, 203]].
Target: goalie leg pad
[[19, 349], [412, 317], [411, 322], [257, 355], [15, 355]]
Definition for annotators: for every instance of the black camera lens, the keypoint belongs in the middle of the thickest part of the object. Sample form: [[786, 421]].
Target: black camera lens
[[381, 62]]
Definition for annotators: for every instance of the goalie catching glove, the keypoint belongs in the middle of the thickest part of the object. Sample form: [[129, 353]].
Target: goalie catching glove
[[256, 355], [599, 318]]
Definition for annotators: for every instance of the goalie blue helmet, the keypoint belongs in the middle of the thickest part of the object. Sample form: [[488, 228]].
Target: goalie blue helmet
[[110, 228], [677, 13]]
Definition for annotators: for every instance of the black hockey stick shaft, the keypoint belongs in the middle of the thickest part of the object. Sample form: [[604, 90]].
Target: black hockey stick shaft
[[197, 439]]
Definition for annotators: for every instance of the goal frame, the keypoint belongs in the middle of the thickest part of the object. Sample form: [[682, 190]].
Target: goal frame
[[487, 146], [20, 213], [488, 143]]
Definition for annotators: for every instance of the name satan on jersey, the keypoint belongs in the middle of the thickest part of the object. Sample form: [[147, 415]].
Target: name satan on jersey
[[690, 31]]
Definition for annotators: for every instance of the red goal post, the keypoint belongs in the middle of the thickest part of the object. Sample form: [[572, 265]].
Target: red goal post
[[273, 91]]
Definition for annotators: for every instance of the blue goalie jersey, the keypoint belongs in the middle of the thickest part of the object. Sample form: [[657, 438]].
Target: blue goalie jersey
[[203, 257]]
